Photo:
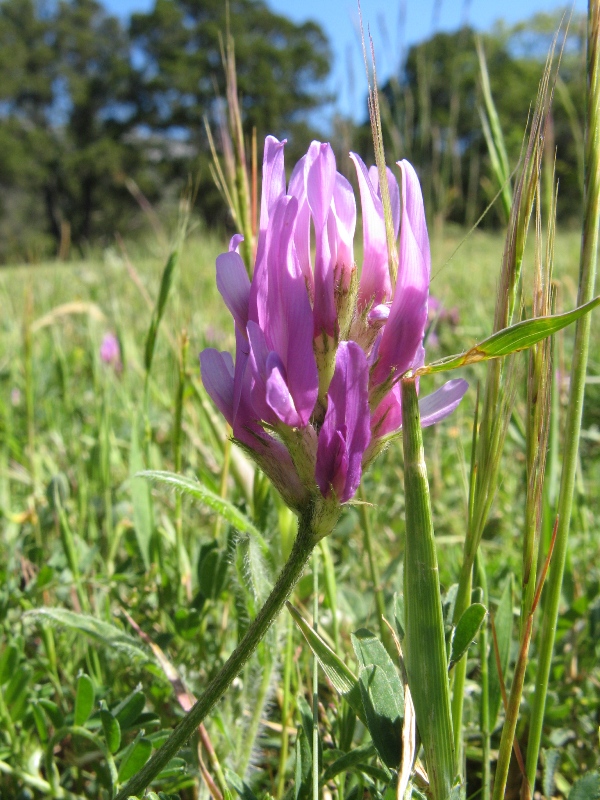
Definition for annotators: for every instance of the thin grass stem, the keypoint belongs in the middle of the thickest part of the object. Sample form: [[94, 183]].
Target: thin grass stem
[[365, 523], [588, 263], [285, 707]]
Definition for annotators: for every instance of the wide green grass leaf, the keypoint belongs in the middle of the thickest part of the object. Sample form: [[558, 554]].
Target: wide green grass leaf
[[511, 340], [104, 633], [341, 676], [466, 630], [195, 489]]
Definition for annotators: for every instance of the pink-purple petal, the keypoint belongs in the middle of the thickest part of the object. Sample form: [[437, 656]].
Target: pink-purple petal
[[374, 284], [320, 183], [297, 188], [216, 370], [347, 417], [234, 285], [273, 187], [257, 361], [415, 209], [387, 417], [278, 395], [438, 405], [235, 242], [342, 224], [403, 333], [394, 192], [290, 318], [378, 314], [273, 178]]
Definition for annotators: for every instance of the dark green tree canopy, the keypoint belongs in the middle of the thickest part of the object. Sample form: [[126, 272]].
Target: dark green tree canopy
[[280, 65], [64, 88], [431, 112], [86, 102]]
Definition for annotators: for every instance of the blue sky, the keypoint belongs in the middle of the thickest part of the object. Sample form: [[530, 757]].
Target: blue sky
[[393, 26]]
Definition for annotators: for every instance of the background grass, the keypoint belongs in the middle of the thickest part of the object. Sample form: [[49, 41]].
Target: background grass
[[76, 444]]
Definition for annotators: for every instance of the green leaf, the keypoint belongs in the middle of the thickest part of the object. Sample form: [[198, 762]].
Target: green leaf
[[102, 632], [399, 614], [45, 575], [551, 761], [163, 294], [17, 686], [302, 783], [40, 723], [586, 788], [306, 715], [53, 711], [341, 676], [197, 490], [242, 788], [162, 795], [187, 623], [174, 768], [511, 340], [140, 497], [8, 663], [134, 758], [129, 709], [384, 709], [213, 562], [466, 631], [112, 730], [371, 652], [84, 699], [503, 620], [348, 763]]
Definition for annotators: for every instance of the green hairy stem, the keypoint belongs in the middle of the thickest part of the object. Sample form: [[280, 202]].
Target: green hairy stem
[[311, 528]]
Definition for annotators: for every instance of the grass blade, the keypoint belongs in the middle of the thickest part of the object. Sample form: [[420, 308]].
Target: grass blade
[[195, 489], [520, 336]]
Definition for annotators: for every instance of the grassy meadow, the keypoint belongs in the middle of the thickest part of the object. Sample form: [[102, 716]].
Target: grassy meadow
[[84, 697]]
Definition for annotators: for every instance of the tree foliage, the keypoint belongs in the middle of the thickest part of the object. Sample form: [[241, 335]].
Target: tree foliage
[[86, 102], [431, 112], [65, 72], [280, 65]]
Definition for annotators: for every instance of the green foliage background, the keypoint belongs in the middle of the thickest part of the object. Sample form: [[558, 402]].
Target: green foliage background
[[88, 105], [76, 444]]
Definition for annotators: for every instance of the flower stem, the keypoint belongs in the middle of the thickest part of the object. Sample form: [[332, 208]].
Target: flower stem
[[485, 686], [589, 251], [306, 539]]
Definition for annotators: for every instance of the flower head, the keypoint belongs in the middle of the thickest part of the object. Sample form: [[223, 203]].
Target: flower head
[[110, 351], [313, 391]]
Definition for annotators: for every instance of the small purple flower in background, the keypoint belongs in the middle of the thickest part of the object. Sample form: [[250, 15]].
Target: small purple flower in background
[[439, 317], [110, 351], [313, 392], [15, 396]]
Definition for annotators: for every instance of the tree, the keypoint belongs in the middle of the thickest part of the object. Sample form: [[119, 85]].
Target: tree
[[430, 112], [280, 65], [65, 112], [85, 102]]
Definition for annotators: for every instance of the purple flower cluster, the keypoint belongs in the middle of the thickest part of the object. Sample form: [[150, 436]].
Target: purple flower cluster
[[110, 351], [314, 389]]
